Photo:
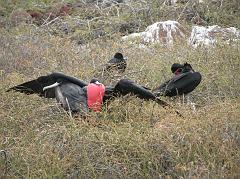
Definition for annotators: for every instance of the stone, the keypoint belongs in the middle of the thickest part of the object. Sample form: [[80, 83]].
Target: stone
[[209, 35], [166, 33]]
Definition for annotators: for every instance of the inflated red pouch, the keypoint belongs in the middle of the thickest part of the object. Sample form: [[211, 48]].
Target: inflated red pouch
[[95, 93]]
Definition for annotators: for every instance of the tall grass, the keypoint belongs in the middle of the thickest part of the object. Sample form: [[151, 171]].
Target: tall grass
[[130, 138]]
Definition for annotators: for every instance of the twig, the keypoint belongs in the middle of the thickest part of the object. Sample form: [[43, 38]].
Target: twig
[[221, 4], [45, 21], [69, 109], [151, 117], [46, 24]]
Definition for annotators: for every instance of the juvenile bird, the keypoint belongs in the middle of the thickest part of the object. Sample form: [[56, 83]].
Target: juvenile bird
[[117, 63]]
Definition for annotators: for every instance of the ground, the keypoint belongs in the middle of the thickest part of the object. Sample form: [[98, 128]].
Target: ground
[[130, 138]]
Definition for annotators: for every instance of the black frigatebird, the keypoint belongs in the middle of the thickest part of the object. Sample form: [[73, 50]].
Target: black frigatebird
[[70, 91], [67, 90], [117, 63], [185, 80]]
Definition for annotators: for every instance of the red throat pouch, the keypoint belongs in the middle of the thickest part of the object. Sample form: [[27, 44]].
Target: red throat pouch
[[178, 71], [95, 93]]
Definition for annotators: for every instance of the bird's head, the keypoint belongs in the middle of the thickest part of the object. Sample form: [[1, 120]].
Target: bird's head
[[177, 68], [119, 56], [95, 81]]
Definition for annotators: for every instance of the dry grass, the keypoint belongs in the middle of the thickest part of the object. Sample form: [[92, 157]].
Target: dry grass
[[131, 138]]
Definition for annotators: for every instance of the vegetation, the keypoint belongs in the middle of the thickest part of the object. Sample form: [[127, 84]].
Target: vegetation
[[129, 138]]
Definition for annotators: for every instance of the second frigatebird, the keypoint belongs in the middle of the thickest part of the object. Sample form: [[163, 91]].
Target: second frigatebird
[[184, 81]]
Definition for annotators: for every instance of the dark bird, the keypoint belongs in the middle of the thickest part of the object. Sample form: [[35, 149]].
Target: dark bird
[[176, 67], [185, 80], [117, 63], [67, 90], [72, 93]]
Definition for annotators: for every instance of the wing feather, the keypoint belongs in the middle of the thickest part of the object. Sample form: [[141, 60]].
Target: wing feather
[[36, 86], [178, 85]]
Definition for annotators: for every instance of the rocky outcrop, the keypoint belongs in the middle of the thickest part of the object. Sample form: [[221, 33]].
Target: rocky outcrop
[[166, 32], [170, 32], [211, 34]]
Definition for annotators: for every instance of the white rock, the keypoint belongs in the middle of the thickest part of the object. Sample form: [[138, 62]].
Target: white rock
[[211, 34], [160, 32]]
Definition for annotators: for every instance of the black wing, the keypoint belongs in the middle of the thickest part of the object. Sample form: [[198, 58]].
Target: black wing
[[36, 86], [109, 93], [126, 86], [115, 61], [60, 77], [178, 85]]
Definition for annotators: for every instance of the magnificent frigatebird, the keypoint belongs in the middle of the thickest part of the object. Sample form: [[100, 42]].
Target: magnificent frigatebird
[[118, 63], [70, 92], [67, 90], [184, 81]]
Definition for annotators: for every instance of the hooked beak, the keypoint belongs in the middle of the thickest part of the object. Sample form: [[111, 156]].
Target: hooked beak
[[98, 83], [51, 86]]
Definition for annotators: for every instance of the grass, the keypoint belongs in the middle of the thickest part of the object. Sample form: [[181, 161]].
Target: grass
[[130, 138]]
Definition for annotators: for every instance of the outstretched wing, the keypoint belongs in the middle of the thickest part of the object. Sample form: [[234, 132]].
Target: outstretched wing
[[126, 86], [178, 85], [36, 86], [60, 77]]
